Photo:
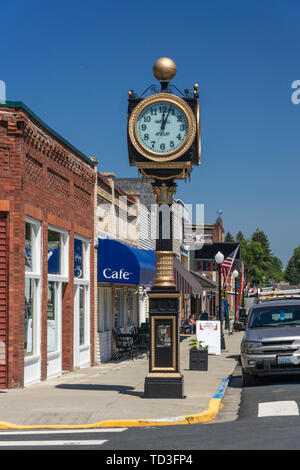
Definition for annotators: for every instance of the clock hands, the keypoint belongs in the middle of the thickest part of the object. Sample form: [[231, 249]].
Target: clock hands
[[164, 121]]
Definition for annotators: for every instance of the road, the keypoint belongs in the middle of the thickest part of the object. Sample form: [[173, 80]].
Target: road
[[263, 417]]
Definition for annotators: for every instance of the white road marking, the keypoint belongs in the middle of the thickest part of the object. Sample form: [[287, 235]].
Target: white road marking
[[66, 431], [278, 408], [50, 443]]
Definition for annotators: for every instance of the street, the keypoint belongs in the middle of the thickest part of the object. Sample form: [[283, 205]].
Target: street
[[265, 417]]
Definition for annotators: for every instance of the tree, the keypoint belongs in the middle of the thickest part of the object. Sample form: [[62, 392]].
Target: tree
[[240, 237], [259, 261], [276, 272], [292, 272], [229, 237], [260, 237], [253, 258]]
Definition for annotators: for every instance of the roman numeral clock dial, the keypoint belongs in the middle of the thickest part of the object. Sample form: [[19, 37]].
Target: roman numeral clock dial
[[162, 127]]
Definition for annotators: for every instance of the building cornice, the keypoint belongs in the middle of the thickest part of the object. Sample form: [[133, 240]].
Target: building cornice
[[18, 105]]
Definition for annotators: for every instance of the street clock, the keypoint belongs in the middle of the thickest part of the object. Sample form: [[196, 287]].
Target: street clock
[[164, 143], [163, 129]]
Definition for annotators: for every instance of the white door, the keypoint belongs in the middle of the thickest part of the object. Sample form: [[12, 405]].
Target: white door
[[54, 329], [81, 326], [32, 343]]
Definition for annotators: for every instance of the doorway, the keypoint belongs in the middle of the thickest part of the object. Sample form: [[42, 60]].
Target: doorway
[[54, 329], [81, 326]]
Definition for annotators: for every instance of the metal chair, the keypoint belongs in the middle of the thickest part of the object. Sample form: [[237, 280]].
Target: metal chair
[[142, 341], [124, 346]]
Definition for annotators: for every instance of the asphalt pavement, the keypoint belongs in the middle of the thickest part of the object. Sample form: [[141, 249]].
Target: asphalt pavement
[[111, 395]]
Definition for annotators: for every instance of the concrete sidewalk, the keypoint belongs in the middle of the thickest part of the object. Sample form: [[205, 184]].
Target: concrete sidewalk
[[111, 395]]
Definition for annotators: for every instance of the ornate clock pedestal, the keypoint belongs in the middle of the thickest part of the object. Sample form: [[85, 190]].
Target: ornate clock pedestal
[[163, 139], [164, 379]]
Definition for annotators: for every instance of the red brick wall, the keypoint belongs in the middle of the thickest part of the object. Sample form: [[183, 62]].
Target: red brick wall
[[40, 177]]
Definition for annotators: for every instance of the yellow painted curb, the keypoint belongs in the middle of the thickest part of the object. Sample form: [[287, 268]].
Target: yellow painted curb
[[206, 416]]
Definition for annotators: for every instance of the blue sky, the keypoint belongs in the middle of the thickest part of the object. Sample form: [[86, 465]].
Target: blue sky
[[73, 63]]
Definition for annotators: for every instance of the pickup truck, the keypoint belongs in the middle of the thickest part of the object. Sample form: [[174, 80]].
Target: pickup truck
[[271, 342]]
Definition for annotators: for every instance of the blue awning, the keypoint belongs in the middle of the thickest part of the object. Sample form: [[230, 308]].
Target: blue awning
[[123, 264]]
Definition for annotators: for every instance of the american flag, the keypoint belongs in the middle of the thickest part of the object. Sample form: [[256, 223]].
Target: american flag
[[241, 289], [227, 264]]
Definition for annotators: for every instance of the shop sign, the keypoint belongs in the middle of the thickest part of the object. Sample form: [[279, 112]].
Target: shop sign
[[108, 273], [209, 333], [124, 264]]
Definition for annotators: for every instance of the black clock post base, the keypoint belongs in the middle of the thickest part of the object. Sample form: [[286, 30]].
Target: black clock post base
[[164, 386]]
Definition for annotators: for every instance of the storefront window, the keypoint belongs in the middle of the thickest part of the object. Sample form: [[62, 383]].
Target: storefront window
[[54, 252], [132, 307], [82, 282], [104, 314], [29, 316], [52, 317], [32, 286], [28, 247], [78, 259], [119, 308]]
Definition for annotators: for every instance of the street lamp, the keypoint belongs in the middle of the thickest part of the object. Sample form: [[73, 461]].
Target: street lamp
[[219, 258], [235, 275]]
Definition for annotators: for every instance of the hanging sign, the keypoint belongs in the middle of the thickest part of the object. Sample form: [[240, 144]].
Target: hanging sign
[[209, 332]]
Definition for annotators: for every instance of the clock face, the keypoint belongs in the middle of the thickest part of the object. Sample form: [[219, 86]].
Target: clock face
[[162, 127]]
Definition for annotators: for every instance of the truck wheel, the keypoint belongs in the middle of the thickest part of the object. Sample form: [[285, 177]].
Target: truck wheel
[[248, 379]]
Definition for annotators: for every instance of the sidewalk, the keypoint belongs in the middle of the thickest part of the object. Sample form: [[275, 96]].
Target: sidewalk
[[111, 395]]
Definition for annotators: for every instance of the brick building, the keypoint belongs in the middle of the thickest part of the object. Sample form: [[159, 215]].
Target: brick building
[[46, 251]]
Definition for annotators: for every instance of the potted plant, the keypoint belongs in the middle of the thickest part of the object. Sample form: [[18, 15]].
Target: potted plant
[[198, 355]]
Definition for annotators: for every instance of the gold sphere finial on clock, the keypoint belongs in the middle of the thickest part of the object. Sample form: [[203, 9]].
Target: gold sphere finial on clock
[[164, 69]]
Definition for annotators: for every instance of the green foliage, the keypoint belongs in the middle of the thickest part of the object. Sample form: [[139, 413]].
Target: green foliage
[[240, 237], [260, 263], [195, 344], [292, 272], [276, 271], [229, 237], [253, 258], [260, 237]]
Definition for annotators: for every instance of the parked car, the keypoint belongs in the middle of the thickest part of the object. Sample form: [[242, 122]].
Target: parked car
[[271, 343]]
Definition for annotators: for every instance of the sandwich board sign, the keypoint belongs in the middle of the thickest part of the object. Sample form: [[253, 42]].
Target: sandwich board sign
[[209, 332]]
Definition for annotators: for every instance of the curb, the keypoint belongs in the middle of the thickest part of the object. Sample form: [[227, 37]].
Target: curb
[[206, 416]]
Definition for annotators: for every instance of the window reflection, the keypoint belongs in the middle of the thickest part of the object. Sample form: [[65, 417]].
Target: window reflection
[[29, 317], [54, 252], [78, 258], [28, 247], [52, 316]]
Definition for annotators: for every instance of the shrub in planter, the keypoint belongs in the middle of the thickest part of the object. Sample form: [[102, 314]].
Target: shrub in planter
[[198, 355]]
